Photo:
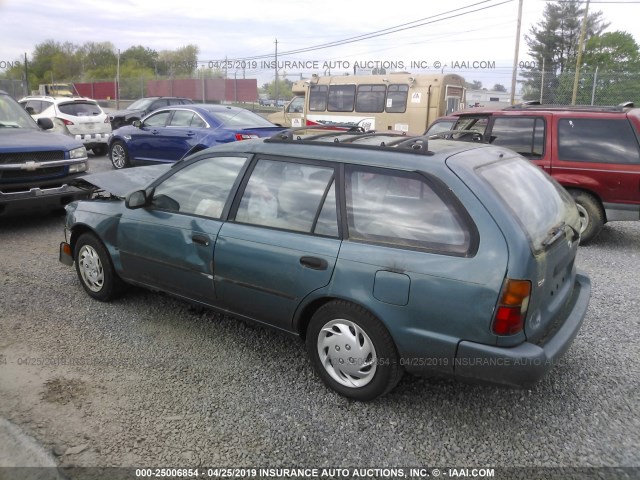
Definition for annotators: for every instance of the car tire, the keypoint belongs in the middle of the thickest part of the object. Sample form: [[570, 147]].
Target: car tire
[[95, 270], [352, 351], [119, 155], [592, 217], [100, 150]]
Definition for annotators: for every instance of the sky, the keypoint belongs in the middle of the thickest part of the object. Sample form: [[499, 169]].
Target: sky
[[473, 38]]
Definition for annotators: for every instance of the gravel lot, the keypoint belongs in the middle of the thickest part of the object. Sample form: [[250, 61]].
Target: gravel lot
[[158, 383]]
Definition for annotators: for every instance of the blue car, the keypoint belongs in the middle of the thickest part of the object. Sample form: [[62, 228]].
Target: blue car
[[383, 253], [171, 133]]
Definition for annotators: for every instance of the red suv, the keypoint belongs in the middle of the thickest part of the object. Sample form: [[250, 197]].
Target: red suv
[[593, 152]]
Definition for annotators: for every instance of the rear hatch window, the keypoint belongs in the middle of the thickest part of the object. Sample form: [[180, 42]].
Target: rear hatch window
[[539, 203], [80, 109]]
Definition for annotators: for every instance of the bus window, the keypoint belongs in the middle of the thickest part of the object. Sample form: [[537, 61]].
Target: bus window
[[370, 98], [341, 98], [397, 98], [318, 98]]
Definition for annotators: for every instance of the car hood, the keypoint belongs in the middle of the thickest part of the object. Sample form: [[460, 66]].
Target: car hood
[[30, 140], [122, 182]]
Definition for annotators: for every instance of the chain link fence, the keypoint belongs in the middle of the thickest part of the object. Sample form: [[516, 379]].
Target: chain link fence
[[16, 88], [594, 88]]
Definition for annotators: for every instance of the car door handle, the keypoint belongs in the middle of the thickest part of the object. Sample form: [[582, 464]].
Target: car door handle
[[200, 240], [190, 134], [155, 132], [314, 263]]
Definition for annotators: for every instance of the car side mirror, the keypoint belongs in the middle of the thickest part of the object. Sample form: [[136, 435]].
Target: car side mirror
[[45, 123], [137, 199], [137, 123]]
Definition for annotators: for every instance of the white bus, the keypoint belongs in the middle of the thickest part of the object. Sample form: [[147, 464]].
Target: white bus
[[397, 101]]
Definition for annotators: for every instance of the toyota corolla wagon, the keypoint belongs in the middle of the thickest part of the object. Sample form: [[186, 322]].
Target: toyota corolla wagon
[[383, 253]]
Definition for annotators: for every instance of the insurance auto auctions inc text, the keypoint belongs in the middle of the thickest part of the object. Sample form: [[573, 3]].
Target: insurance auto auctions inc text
[[322, 473], [389, 65]]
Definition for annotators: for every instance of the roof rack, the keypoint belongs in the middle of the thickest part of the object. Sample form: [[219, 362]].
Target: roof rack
[[404, 143], [536, 105], [338, 127]]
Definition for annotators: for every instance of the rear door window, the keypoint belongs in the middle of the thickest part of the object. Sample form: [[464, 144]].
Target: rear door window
[[404, 209], [520, 134], [598, 140], [290, 196]]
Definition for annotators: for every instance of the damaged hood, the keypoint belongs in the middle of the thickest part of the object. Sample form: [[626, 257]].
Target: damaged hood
[[122, 182]]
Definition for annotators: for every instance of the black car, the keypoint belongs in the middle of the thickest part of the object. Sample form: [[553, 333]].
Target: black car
[[138, 109]]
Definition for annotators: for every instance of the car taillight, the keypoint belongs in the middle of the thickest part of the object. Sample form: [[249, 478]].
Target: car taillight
[[245, 136], [66, 122], [512, 308]]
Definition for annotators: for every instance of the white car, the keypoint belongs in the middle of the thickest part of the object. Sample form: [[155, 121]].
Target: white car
[[79, 117]]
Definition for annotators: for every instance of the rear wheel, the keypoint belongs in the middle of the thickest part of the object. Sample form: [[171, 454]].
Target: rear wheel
[[591, 215], [119, 155], [95, 270], [352, 351]]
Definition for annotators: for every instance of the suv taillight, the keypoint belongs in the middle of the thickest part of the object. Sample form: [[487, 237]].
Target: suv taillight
[[512, 308], [66, 122]]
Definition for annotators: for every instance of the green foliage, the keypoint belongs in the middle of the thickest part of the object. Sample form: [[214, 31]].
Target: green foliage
[[499, 88], [610, 60], [284, 89]]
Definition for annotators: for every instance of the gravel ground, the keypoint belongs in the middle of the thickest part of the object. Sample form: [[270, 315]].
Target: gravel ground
[[150, 381]]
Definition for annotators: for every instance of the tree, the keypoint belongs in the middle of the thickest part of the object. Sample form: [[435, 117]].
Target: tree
[[499, 88], [553, 42], [182, 61], [474, 85], [140, 56], [615, 56], [99, 60]]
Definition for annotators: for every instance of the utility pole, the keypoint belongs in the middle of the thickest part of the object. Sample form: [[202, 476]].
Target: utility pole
[[583, 32], [118, 82], [515, 56], [276, 86], [26, 75]]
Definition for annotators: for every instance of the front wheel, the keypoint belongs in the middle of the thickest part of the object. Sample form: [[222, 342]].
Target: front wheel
[[591, 215], [94, 268], [352, 351], [119, 155]]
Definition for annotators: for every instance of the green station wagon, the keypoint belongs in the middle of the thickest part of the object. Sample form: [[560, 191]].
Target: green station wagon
[[383, 253]]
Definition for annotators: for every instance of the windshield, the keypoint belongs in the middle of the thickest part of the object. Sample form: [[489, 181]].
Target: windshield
[[141, 104], [12, 115], [539, 202], [240, 119]]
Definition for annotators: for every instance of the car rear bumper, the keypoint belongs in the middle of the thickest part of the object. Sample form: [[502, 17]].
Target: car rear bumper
[[525, 364]]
